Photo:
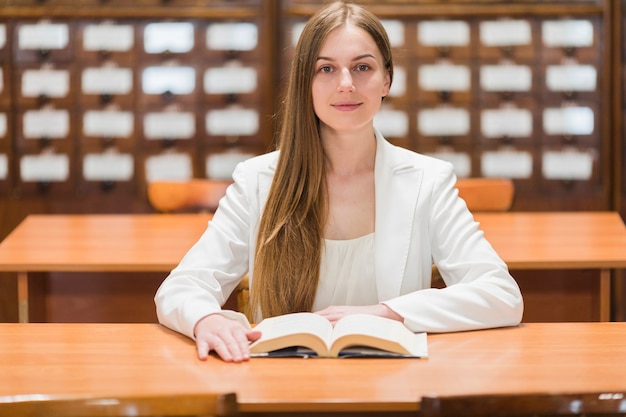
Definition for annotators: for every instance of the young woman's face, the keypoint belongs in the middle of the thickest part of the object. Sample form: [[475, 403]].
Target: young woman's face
[[350, 80]]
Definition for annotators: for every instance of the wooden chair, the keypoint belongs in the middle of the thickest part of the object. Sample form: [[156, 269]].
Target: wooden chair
[[480, 195], [196, 195], [526, 405], [486, 194], [170, 405]]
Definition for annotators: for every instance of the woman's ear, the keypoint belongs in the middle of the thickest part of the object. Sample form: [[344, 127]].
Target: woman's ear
[[387, 85]]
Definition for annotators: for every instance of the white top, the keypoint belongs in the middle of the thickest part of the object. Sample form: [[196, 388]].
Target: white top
[[347, 275]]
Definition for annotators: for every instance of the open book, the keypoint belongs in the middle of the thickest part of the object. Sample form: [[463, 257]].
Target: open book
[[357, 335]]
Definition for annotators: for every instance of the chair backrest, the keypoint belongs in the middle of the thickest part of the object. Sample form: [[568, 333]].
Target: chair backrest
[[487, 194], [526, 405], [197, 194], [167, 405]]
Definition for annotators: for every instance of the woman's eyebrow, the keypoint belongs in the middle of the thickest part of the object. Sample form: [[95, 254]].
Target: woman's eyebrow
[[364, 56], [356, 58]]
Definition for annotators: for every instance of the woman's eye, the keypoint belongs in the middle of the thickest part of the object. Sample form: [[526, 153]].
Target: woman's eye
[[325, 69], [362, 67]]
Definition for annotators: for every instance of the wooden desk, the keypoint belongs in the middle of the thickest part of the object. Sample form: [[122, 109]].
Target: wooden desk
[[51, 359], [97, 243], [157, 242], [560, 240]]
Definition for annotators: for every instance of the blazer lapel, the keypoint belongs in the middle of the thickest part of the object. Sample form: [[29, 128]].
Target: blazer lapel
[[398, 182]]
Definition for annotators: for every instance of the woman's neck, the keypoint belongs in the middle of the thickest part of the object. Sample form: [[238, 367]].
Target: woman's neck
[[349, 153]]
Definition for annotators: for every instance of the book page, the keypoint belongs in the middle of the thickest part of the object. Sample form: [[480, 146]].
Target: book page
[[377, 332], [298, 329]]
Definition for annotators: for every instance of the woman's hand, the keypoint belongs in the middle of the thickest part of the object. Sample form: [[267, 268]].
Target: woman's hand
[[334, 313], [227, 337]]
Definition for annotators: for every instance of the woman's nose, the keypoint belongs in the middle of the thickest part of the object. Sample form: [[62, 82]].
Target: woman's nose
[[345, 80]]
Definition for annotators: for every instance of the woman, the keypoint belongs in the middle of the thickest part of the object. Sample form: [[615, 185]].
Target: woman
[[338, 221]]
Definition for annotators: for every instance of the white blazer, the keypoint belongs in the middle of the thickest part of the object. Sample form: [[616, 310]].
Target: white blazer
[[419, 220]]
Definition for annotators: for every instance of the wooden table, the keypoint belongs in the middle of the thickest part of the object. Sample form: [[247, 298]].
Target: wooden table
[[47, 360], [97, 243], [157, 242], [560, 240]]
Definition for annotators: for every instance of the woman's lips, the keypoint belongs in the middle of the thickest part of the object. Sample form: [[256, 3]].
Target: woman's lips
[[346, 106]]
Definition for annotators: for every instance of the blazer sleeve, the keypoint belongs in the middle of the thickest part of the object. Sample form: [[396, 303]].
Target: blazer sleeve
[[214, 265], [480, 292]]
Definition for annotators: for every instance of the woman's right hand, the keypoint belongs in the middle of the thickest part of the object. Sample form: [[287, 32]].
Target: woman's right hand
[[227, 337]]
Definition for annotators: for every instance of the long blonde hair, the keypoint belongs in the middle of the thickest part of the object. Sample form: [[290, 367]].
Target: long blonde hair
[[290, 235]]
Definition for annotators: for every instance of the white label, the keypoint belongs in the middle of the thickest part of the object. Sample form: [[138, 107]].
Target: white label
[[564, 33], [392, 123], [107, 81], [507, 164], [568, 121], [221, 165], [108, 37], [4, 166], [232, 122], [461, 161], [498, 123], [232, 36], [395, 32], [43, 36], [443, 33], [175, 80], [505, 33], [51, 83], [506, 78], [52, 124], [443, 122], [398, 86], [175, 37], [108, 124], [169, 125], [3, 125], [571, 77], [567, 165], [230, 80], [45, 167], [3, 35], [444, 77], [296, 31], [109, 166], [169, 166]]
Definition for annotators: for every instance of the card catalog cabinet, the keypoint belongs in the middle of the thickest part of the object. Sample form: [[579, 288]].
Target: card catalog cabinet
[[5, 112], [100, 97], [500, 90], [109, 95], [619, 81]]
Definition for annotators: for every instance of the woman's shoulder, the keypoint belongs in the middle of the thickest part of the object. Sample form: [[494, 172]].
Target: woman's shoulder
[[266, 161], [418, 160]]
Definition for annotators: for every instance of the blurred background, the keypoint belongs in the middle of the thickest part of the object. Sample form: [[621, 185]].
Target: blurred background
[[100, 97]]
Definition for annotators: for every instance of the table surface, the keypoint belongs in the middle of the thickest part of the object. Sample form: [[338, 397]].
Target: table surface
[[157, 242], [557, 240], [39, 360], [101, 242]]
